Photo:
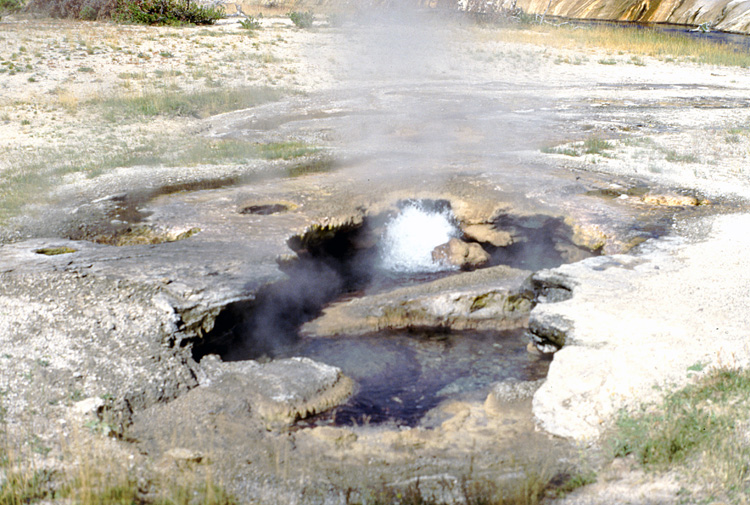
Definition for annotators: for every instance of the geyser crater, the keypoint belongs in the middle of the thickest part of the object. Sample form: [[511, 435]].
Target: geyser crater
[[403, 374]]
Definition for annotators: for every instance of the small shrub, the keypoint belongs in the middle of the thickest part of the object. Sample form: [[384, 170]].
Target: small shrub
[[572, 482], [302, 19], [733, 139], [166, 12], [596, 146], [10, 5], [675, 157], [88, 13], [77, 9], [250, 23]]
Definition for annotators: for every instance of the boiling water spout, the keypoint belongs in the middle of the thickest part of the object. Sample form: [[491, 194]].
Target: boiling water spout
[[411, 236]]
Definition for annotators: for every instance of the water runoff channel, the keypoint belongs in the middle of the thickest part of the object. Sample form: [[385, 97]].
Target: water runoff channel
[[400, 374]]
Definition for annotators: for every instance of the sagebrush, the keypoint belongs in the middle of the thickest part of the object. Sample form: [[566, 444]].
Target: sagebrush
[[148, 12]]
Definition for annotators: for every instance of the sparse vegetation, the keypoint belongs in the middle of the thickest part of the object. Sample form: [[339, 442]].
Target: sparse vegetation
[[675, 157], [635, 60], [200, 104], [699, 429], [33, 174], [577, 60], [250, 23], [733, 139], [302, 19], [25, 486], [596, 145], [319, 165], [285, 150], [90, 479], [637, 43], [592, 145], [529, 483]]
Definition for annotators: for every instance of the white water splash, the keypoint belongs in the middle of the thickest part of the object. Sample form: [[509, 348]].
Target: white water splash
[[411, 236]]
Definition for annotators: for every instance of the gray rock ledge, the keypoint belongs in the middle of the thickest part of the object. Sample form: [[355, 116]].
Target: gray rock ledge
[[635, 324]]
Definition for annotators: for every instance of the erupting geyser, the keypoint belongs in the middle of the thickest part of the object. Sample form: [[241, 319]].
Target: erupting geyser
[[412, 235]]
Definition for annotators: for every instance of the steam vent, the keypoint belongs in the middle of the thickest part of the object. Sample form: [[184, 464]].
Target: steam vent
[[376, 252]]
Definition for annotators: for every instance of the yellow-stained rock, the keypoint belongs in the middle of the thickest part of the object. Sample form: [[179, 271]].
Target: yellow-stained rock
[[340, 437], [487, 233], [461, 254], [673, 200]]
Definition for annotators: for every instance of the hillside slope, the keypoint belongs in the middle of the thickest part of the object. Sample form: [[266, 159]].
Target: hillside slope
[[725, 15]]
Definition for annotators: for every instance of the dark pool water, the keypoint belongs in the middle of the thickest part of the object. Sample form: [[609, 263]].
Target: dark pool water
[[402, 375]]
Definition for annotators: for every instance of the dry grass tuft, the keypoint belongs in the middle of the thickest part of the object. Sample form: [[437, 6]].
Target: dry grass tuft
[[636, 42]]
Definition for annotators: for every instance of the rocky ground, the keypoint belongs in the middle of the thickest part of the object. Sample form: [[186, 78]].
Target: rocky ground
[[113, 335]]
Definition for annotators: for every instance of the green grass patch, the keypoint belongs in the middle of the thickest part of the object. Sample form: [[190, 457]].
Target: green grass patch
[[699, 428], [596, 146], [317, 166], [592, 145], [285, 150], [7, 6], [575, 481], [199, 104]]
